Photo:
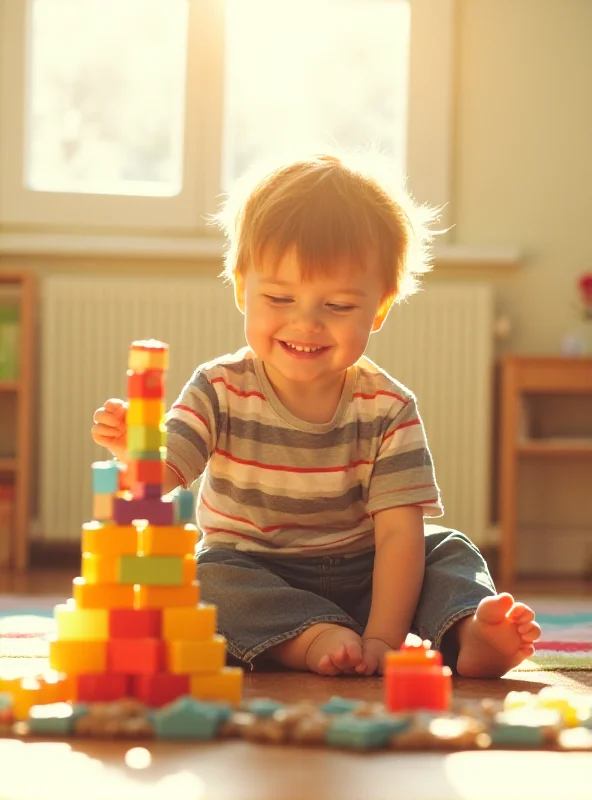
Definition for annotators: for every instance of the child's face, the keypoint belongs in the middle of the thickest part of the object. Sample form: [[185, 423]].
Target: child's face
[[333, 313]]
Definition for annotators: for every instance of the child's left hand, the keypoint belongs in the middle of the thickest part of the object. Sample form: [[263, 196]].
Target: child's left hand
[[373, 656]]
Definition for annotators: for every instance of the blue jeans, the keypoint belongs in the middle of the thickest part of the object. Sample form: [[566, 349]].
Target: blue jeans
[[263, 601]]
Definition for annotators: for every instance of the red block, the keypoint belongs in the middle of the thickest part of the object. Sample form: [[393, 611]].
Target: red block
[[412, 689], [149, 383], [102, 687], [136, 656], [159, 689], [145, 470], [129, 623]]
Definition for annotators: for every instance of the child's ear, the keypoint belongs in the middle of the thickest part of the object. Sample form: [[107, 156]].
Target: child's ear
[[382, 313], [239, 292]]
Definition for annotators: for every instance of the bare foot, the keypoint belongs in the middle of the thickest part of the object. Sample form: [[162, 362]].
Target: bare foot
[[334, 651], [498, 637]]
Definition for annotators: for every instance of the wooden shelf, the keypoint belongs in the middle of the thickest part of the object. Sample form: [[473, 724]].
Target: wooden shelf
[[10, 386], [8, 464], [555, 447]]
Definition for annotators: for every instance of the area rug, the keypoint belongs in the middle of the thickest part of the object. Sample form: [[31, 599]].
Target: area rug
[[566, 642]]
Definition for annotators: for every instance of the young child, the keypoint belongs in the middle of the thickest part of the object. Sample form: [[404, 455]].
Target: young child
[[316, 470]]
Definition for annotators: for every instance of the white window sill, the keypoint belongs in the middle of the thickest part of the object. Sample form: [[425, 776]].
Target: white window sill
[[203, 248]]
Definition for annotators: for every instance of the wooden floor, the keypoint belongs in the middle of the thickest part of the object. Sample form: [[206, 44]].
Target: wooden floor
[[240, 770]]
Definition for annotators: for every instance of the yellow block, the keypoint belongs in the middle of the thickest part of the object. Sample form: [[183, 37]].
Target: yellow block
[[149, 354], [81, 623], [78, 657], [99, 568], [168, 540], [190, 622], [109, 540], [166, 596], [187, 656], [224, 685], [145, 412], [103, 595]]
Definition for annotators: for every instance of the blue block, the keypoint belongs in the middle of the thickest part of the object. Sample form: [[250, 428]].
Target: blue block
[[5, 701], [264, 707], [188, 718], [48, 726], [363, 733], [105, 477], [339, 705], [184, 503]]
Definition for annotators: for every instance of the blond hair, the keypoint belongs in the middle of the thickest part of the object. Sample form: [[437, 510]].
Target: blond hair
[[330, 208]]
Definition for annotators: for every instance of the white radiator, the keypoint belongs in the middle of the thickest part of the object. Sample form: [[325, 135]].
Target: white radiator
[[440, 344]]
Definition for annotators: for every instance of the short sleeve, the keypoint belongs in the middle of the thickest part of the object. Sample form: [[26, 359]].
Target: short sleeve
[[403, 473], [192, 428]]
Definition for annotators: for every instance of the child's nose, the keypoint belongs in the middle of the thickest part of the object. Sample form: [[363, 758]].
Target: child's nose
[[307, 320]]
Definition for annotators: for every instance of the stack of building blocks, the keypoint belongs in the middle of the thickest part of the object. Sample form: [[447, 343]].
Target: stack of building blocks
[[135, 626], [415, 679]]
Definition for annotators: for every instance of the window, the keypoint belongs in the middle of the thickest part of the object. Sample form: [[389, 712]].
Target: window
[[134, 115]]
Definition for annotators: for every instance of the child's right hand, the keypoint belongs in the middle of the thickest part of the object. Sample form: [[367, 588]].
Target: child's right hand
[[110, 427]]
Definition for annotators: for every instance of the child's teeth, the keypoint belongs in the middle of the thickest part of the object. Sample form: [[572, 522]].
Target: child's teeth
[[303, 349]]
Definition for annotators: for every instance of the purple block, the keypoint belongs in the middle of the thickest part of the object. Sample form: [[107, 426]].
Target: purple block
[[153, 509]]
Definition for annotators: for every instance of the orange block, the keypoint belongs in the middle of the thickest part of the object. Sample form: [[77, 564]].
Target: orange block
[[99, 568], [28, 692], [190, 656], [77, 657], [109, 540], [189, 622], [103, 595], [166, 596], [224, 685], [168, 540]]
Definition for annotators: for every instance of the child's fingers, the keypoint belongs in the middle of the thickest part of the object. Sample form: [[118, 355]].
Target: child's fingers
[[116, 406], [106, 431]]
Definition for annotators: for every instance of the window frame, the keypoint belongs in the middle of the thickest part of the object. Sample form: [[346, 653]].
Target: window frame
[[429, 134]]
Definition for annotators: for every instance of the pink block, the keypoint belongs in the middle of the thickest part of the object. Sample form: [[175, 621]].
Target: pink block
[[144, 491], [154, 509]]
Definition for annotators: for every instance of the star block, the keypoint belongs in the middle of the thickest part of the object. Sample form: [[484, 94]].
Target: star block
[[187, 718], [160, 688], [81, 623], [77, 656], [131, 623], [53, 719], [154, 510], [102, 595], [166, 596], [196, 656], [105, 477], [189, 622], [167, 540], [225, 685], [157, 570], [144, 411], [147, 384], [136, 656], [109, 540]]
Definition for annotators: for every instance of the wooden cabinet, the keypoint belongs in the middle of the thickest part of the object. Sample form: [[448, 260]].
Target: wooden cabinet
[[522, 379], [16, 418]]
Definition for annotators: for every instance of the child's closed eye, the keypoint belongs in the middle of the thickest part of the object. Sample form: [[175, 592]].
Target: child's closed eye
[[277, 300], [337, 307]]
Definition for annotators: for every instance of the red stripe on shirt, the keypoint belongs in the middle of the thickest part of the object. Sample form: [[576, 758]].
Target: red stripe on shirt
[[177, 472], [380, 392], [181, 407], [208, 530], [281, 468], [398, 428], [238, 391], [270, 528]]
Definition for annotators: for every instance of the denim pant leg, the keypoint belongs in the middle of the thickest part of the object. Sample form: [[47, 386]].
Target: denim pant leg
[[456, 580]]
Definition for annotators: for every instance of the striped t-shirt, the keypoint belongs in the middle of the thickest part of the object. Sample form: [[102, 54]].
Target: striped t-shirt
[[273, 483]]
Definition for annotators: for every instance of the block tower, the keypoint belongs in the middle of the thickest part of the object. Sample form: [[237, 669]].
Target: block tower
[[135, 626]]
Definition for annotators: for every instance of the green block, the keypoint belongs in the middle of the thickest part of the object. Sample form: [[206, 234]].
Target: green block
[[143, 437], [151, 570]]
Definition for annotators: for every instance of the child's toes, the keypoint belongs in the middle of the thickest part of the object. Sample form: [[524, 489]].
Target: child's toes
[[339, 657], [529, 632], [327, 667], [520, 613], [527, 652], [353, 653]]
